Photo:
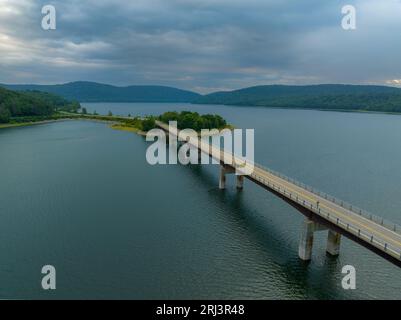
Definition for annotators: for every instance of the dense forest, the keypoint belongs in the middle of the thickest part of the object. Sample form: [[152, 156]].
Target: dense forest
[[185, 120], [28, 104], [193, 120], [334, 97]]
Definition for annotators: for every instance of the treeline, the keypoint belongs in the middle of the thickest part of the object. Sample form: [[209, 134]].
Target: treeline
[[326, 97], [185, 120], [143, 124], [15, 105], [193, 120]]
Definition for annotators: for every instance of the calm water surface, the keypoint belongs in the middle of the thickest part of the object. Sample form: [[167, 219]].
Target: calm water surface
[[81, 196]]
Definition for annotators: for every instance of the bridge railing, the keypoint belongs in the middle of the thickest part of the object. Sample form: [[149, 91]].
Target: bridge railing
[[379, 220], [351, 228]]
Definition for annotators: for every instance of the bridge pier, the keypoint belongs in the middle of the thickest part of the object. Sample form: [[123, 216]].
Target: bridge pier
[[222, 180], [333, 243], [309, 227], [306, 240], [240, 182], [223, 171]]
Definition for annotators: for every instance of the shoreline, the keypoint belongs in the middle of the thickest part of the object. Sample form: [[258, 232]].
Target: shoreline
[[119, 127], [27, 124], [113, 124], [299, 108]]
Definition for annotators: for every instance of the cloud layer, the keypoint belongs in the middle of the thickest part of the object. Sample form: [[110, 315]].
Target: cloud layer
[[202, 45]]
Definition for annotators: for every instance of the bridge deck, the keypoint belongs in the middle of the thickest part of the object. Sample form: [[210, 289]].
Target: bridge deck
[[386, 237]]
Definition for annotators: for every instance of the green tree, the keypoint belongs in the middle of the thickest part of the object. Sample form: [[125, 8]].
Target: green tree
[[4, 115], [193, 120], [148, 124], [33, 103]]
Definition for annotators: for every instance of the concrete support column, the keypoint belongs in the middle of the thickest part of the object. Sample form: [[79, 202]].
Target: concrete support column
[[223, 171], [306, 240], [240, 182], [333, 243], [222, 180]]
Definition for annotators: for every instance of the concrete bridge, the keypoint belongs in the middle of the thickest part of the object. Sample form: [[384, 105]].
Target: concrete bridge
[[321, 211]]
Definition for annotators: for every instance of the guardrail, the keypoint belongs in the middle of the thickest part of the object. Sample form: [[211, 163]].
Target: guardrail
[[379, 220], [362, 234]]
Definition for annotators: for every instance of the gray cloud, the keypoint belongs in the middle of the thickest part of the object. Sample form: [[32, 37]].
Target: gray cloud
[[202, 45]]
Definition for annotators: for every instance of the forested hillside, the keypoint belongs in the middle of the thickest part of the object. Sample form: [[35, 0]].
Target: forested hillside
[[84, 91], [338, 97], [31, 103]]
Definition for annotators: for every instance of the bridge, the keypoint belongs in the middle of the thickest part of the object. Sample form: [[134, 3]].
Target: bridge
[[321, 211]]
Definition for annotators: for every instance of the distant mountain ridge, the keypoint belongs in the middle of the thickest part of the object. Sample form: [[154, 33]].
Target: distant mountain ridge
[[325, 96], [97, 92]]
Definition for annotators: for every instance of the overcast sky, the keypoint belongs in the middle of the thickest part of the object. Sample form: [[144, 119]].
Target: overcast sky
[[201, 45]]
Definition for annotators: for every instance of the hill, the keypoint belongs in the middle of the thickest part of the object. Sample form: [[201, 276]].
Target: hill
[[330, 96], [31, 103], [96, 92]]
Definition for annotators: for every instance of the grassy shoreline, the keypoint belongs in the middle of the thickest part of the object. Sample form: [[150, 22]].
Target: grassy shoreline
[[121, 127], [65, 116], [121, 123], [30, 123]]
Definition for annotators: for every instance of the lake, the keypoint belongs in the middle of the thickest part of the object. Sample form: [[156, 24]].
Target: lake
[[81, 196]]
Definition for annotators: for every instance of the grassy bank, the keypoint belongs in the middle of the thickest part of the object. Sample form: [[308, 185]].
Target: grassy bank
[[121, 127], [38, 120], [25, 124]]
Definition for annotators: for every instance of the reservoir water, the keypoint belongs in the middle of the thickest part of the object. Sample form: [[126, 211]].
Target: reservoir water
[[81, 196]]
